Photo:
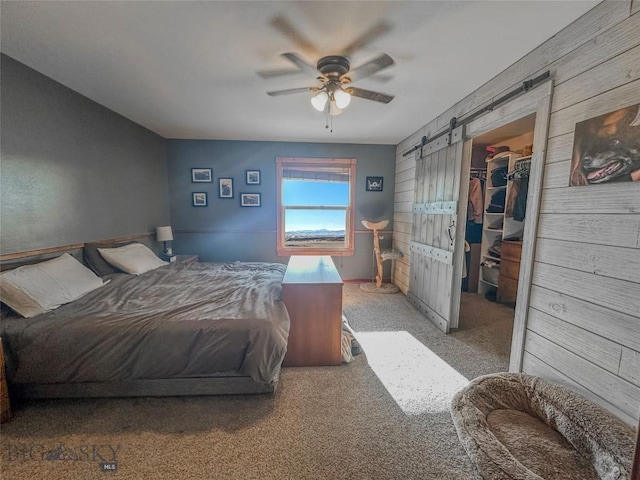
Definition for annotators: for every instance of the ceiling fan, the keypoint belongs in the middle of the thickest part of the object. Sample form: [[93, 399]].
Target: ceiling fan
[[335, 75], [334, 71]]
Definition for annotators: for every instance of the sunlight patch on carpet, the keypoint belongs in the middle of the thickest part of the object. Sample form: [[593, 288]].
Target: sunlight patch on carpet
[[417, 379]]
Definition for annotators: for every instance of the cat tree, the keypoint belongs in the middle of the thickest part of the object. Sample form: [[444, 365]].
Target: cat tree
[[380, 256]]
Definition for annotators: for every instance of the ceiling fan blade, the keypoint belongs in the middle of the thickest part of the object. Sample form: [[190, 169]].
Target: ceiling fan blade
[[284, 26], [304, 66], [367, 37], [267, 74], [369, 95], [365, 70], [293, 90], [382, 78]]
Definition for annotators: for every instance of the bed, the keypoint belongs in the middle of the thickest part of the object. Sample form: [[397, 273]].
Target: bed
[[180, 329]]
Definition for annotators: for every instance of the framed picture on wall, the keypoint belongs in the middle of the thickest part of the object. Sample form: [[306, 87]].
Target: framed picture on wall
[[201, 175], [374, 184], [199, 199], [250, 200], [225, 187], [606, 148], [253, 177]]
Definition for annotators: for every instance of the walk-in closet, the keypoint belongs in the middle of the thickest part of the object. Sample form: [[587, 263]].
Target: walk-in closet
[[496, 214]]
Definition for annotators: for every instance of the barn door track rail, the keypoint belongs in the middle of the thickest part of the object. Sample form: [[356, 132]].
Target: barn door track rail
[[456, 122]]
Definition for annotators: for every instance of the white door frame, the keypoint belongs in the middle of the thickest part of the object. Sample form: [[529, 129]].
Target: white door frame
[[537, 101]]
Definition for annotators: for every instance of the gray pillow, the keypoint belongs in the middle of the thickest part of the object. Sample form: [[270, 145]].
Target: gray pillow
[[94, 260], [134, 259]]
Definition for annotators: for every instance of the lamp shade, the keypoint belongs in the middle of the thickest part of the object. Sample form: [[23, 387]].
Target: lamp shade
[[333, 109], [164, 234], [342, 98], [319, 101]]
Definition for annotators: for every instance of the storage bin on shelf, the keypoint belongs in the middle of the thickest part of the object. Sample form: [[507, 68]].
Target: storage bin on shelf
[[491, 272]]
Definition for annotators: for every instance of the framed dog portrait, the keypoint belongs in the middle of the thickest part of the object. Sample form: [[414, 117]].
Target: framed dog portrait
[[606, 148]]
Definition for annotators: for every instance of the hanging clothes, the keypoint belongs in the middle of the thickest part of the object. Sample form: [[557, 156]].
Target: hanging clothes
[[473, 233], [513, 194], [476, 202], [467, 248], [520, 205], [517, 202]]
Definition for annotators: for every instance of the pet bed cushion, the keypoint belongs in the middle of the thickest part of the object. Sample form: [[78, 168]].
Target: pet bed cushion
[[516, 426]]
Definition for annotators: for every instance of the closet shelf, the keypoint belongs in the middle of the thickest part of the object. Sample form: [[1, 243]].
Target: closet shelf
[[488, 283], [495, 195]]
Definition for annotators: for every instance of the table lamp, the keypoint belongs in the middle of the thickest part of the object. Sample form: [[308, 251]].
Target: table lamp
[[164, 234]]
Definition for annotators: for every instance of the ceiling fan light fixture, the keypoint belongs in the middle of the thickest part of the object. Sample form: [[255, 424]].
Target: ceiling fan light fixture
[[342, 98], [336, 73], [320, 101], [334, 109]]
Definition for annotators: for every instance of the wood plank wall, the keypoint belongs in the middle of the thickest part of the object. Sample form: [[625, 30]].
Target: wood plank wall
[[584, 314]]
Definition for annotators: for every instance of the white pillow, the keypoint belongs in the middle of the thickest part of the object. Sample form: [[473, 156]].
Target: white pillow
[[34, 289], [134, 258]]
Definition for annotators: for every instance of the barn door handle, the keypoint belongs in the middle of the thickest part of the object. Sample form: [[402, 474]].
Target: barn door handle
[[453, 224]]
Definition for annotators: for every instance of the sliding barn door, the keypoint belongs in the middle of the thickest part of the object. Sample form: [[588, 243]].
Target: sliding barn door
[[437, 247]]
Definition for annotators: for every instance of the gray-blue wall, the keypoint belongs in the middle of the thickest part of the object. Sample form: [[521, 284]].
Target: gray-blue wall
[[72, 170], [225, 231]]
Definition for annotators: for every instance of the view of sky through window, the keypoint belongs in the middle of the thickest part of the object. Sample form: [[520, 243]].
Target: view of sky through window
[[314, 193]]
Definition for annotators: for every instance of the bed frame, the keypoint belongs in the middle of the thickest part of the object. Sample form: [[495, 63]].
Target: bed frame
[[228, 383], [16, 259], [224, 384]]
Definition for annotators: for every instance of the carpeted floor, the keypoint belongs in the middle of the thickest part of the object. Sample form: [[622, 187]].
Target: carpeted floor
[[384, 416]]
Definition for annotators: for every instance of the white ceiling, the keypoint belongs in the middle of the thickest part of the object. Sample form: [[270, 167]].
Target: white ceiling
[[189, 69]]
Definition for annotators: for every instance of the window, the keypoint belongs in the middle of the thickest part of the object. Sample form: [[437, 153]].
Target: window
[[315, 206]]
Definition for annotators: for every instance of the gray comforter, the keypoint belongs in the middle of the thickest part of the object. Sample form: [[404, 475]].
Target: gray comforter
[[177, 321]]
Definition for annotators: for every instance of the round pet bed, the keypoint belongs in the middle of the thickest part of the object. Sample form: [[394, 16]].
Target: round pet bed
[[516, 426]]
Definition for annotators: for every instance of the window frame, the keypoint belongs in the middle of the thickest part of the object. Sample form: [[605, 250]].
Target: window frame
[[287, 162]]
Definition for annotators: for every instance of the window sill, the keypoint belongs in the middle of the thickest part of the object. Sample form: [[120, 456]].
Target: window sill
[[343, 252]]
